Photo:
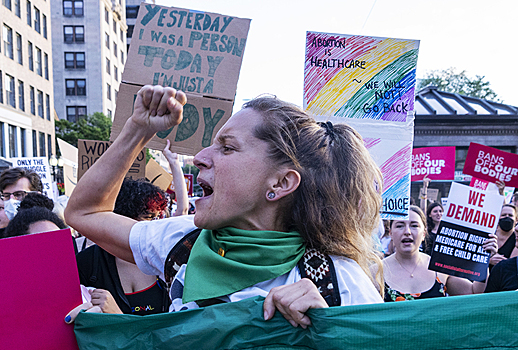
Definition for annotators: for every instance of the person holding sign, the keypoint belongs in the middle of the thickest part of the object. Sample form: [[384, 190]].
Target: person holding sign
[[505, 234], [275, 184], [433, 219], [406, 271]]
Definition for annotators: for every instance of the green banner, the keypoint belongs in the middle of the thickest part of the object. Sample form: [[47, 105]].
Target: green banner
[[486, 321]]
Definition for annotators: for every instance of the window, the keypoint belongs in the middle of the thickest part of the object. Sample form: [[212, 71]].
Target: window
[[19, 48], [107, 40], [49, 143], [116, 73], [32, 100], [2, 144], [122, 57], [75, 87], [122, 36], [74, 34], [1, 89], [116, 95], [131, 11], [10, 94], [109, 92], [31, 57], [34, 144], [114, 26], [75, 112], [40, 104], [23, 142], [130, 30], [114, 49], [74, 60], [108, 66], [12, 141], [73, 8], [17, 10], [43, 152], [46, 66], [47, 106], [39, 66], [7, 3], [8, 42], [109, 113], [106, 15], [21, 96], [37, 20], [45, 26], [29, 13]]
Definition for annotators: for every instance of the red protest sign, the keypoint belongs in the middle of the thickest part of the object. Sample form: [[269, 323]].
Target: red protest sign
[[491, 164], [436, 162], [478, 183], [40, 285]]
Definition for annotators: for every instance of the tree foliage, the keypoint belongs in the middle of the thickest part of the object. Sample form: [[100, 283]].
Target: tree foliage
[[93, 127], [450, 80]]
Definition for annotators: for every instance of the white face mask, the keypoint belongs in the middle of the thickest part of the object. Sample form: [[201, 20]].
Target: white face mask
[[11, 208]]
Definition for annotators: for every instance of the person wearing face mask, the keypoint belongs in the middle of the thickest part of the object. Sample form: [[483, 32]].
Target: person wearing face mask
[[505, 234], [15, 183]]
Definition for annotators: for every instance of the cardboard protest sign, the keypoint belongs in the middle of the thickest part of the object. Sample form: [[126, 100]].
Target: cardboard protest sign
[[40, 285], [202, 118], [491, 164], [470, 216], [368, 83], [89, 151], [157, 175], [69, 155], [436, 162], [197, 52], [41, 166]]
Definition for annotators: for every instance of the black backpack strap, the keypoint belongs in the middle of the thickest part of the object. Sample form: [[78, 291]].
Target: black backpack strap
[[95, 265], [179, 255], [320, 269]]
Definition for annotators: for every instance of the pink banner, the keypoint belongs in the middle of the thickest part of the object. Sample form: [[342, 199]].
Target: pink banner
[[436, 162], [40, 285], [491, 164]]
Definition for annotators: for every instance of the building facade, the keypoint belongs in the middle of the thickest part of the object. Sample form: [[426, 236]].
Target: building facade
[[449, 119], [26, 79], [89, 50]]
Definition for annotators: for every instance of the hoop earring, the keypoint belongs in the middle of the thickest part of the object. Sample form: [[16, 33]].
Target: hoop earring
[[271, 195]]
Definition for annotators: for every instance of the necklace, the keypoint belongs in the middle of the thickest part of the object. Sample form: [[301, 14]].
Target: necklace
[[415, 267]]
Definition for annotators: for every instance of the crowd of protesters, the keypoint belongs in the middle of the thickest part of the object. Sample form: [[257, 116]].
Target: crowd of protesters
[[279, 189]]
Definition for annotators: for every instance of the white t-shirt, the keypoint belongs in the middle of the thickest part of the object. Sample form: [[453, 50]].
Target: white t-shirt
[[151, 242]]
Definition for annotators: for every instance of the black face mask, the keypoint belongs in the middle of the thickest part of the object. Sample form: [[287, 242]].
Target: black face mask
[[506, 224]]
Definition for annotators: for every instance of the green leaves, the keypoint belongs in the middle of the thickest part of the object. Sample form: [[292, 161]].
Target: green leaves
[[93, 127]]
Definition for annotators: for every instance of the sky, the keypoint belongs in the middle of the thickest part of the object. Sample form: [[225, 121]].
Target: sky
[[477, 36]]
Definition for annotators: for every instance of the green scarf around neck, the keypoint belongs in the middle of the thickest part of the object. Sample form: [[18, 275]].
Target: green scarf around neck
[[228, 260]]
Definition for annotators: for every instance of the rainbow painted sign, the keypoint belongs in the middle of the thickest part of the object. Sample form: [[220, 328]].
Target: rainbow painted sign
[[368, 83]]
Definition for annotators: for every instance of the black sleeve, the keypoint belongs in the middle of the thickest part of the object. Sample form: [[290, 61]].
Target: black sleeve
[[495, 279]]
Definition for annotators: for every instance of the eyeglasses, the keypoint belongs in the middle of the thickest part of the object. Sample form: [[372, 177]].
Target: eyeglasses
[[19, 195]]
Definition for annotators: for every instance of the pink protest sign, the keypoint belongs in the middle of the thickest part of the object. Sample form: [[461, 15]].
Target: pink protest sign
[[478, 183], [436, 162], [491, 164], [40, 285]]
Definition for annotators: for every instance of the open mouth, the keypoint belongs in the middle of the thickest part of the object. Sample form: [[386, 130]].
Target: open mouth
[[407, 240], [207, 190]]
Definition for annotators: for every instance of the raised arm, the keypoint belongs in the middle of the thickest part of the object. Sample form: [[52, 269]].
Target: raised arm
[[180, 190], [90, 207]]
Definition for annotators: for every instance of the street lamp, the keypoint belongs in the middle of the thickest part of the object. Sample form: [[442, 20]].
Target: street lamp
[[53, 161]]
